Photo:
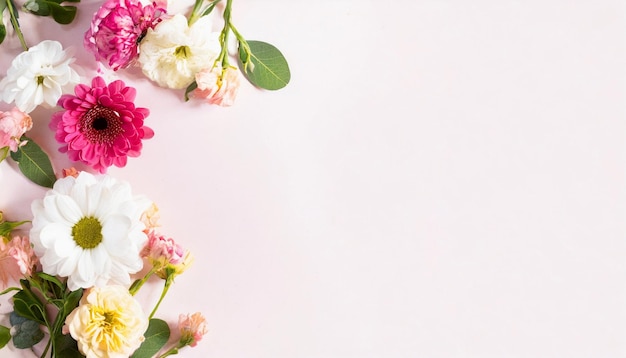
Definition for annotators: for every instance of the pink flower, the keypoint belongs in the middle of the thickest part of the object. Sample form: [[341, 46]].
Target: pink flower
[[13, 124], [17, 259], [117, 28], [100, 125], [163, 252], [217, 86], [192, 328]]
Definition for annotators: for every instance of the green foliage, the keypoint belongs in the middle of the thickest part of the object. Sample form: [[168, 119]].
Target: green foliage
[[190, 89], [4, 151], [5, 336], [6, 227], [264, 65], [62, 14], [156, 337], [34, 163], [27, 334], [3, 34]]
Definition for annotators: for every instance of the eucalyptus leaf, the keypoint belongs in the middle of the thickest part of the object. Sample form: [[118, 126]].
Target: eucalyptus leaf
[[155, 338], [34, 163], [27, 335], [37, 7], [267, 69], [5, 336], [16, 319]]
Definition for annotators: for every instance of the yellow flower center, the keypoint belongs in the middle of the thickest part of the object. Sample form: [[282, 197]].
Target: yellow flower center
[[40, 80], [182, 52], [87, 232], [107, 327]]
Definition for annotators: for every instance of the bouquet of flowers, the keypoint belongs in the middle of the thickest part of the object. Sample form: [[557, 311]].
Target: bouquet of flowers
[[73, 276], [90, 235]]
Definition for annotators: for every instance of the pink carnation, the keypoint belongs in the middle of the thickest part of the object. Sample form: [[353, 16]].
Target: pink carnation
[[192, 328], [163, 249], [13, 124], [100, 125], [17, 259], [165, 255], [117, 28], [217, 86]]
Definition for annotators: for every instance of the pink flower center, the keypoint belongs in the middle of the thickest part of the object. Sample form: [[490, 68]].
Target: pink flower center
[[101, 125]]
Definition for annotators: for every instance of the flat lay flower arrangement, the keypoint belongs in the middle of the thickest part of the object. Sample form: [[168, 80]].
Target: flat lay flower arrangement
[[73, 269]]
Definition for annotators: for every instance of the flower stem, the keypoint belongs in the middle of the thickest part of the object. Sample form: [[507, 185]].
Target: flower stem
[[223, 56], [168, 282], [137, 284], [170, 352], [16, 24]]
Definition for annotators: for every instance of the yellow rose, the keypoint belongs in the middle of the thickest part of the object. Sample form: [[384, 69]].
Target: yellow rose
[[108, 323]]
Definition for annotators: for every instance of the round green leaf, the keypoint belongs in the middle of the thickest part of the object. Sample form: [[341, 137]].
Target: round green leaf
[[267, 68], [5, 336], [155, 338]]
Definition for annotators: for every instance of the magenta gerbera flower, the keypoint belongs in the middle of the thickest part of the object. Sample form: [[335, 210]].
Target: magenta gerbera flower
[[117, 28], [100, 125]]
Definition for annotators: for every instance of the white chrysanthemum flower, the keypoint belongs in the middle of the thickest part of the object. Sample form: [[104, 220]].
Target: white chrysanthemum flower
[[39, 76], [172, 53], [89, 229]]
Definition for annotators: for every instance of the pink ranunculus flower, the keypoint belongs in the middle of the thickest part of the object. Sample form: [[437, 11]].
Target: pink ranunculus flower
[[100, 125], [13, 124], [17, 259], [217, 86], [163, 253], [192, 328], [117, 28]]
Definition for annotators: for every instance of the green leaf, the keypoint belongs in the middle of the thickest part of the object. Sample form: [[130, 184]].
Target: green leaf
[[5, 336], [3, 34], [52, 279], [72, 300], [34, 163], [68, 347], [27, 334], [190, 89], [62, 14], [27, 305], [267, 67], [156, 337]]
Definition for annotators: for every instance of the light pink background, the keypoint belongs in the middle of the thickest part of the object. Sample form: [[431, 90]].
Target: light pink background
[[440, 179]]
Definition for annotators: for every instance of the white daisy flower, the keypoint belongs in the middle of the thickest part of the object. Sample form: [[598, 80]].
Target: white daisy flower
[[89, 229], [39, 76], [172, 53]]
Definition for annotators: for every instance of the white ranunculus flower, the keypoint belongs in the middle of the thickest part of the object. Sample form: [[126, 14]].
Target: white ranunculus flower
[[172, 53], [89, 229], [109, 322], [39, 76]]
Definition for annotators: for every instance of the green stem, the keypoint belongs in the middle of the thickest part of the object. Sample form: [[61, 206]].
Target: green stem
[[170, 352], [242, 43], [45, 351], [16, 25], [168, 282], [223, 56], [195, 12], [137, 284]]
